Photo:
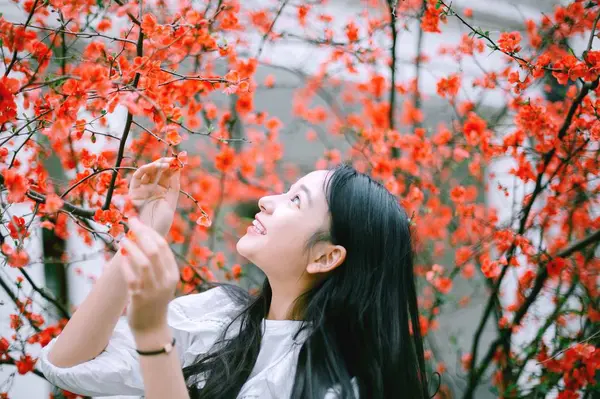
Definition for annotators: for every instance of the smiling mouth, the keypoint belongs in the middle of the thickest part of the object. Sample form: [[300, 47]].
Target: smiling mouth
[[259, 227]]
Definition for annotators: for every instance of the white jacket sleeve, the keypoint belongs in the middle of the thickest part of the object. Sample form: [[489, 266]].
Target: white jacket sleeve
[[196, 322]]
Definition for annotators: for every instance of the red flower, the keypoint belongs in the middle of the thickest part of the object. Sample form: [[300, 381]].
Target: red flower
[[53, 203], [556, 266], [352, 32], [236, 270], [490, 269], [15, 321], [457, 194], [8, 106], [431, 18], [443, 284], [18, 258], [509, 42], [225, 159], [448, 86], [173, 138], [17, 185], [25, 364], [4, 345]]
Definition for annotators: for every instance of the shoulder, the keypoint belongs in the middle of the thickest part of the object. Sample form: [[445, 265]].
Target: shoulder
[[215, 303]]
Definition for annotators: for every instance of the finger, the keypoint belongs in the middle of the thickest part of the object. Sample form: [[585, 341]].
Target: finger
[[169, 176], [159, 175], [146, 174], [174, 187], [141, 266], [136, 179], [150, 170], [155, 247], [128, 274]]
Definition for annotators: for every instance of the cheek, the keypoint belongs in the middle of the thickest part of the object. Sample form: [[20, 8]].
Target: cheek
[[291, 231], [285, 240]]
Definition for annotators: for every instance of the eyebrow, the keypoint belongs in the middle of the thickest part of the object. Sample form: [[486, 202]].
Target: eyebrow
[[307, 191]]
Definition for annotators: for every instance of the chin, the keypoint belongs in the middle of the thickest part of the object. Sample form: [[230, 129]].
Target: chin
[[245, 247], [248, 247]]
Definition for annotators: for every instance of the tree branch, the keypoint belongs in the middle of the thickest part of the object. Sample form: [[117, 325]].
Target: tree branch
[[417, 96], [392, 14], [47, 297], [15, 51], [266, 35], [130, 15], [474, 375], [537, 287], [16, 301], [67, 206], [11, 361], [592, 35], [126, 129]]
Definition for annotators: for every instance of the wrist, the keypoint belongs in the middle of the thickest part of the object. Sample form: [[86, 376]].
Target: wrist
[[152, 339]]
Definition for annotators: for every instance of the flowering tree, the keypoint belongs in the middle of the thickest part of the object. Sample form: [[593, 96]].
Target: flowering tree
[[107, 86]]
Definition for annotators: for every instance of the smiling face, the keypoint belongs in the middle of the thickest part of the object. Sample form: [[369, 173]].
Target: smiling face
[[276, 241]]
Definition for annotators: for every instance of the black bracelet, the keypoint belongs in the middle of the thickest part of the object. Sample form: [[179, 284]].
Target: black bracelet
[[165, 349]]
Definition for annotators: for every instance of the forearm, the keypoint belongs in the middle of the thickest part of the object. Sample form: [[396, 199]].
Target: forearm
[[162, 374], [91, 326]]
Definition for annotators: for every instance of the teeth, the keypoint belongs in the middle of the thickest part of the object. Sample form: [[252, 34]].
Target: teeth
[[259, 226]]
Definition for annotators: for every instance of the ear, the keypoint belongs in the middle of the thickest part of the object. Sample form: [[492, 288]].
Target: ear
[[326, 257]]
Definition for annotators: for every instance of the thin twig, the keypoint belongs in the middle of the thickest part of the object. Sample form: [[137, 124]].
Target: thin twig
[[593, 34], [266, 35], [14, 56]]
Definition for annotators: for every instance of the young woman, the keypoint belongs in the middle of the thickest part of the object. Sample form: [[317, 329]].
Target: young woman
[[335, 317]]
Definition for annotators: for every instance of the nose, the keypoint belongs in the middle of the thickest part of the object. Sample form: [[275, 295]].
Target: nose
[[267, 204]]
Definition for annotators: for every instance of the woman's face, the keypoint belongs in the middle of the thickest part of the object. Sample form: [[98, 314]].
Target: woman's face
[[276, 240]]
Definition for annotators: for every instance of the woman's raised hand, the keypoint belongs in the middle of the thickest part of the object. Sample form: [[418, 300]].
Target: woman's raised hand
[[154, 190], [151, 272]]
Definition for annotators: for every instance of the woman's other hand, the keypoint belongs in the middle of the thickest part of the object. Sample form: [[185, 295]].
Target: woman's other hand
[[154, 190], [151, 272]]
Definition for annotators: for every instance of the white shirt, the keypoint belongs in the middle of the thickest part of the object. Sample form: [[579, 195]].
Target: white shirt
[[196, 322]]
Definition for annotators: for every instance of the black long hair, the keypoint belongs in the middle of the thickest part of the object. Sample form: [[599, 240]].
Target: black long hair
[[361, 321]]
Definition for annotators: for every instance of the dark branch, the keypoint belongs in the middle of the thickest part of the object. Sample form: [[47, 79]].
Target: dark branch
[[67, 206], [537, 287], [474, 373], [126, 130]]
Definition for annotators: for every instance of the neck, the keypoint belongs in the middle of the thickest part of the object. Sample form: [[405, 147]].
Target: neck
[[282, 299]]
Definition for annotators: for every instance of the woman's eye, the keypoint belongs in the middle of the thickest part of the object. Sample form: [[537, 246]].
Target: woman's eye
[[296, 199]]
